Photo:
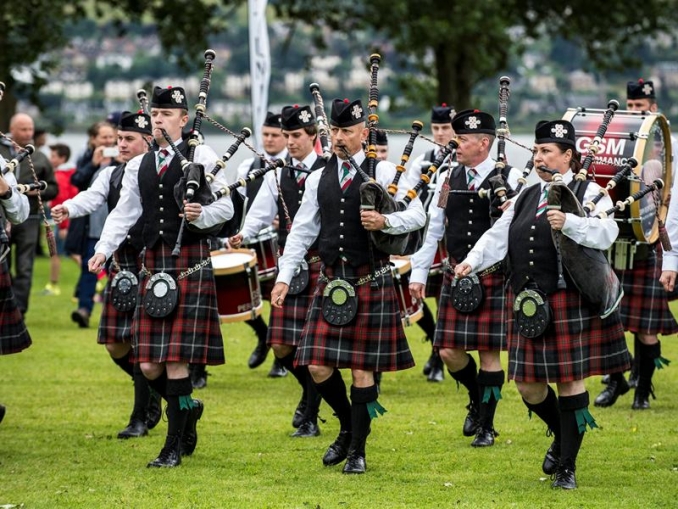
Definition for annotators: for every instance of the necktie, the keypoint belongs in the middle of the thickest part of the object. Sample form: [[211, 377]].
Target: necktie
[[346, 178], [162, 162], [300, 175], [472, 173], [541, 208]]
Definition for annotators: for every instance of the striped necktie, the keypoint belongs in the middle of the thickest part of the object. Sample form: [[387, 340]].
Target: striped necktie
[[472, 174], [162, 162], [300, 176], [541, 208], [346, 178]]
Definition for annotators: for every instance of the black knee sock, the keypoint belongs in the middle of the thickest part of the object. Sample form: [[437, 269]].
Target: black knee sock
[[142, 393], [572, 410], [179, 404], [617, 377], [548, 412], [489, 392], [468, 377], [300, 372], [637, 347], [360, 416], [259, 326], [125, 363], [427, 323], [333, 390], [313, 400], [159, 384], [646, 355]]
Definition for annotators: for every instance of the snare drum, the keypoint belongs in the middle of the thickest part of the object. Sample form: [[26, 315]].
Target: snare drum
[[644, 136], [265, 244], [411, 309], [237, 281]]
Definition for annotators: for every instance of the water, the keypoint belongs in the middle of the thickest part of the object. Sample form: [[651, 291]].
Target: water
[[517, 156]]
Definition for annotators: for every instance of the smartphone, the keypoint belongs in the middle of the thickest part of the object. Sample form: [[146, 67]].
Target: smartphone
[[111, 152]]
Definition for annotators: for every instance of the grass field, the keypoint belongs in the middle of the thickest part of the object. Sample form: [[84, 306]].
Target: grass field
[[66, 401]]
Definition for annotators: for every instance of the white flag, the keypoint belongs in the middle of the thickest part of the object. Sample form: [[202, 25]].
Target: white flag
[[260, 63]]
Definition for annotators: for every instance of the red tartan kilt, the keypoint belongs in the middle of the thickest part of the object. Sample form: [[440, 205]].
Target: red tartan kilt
[[14, 336], [116, 326], [285, 324], [483, 329], [576, 345], [644, 308], [191, 333], [374, 341], [434, 285]]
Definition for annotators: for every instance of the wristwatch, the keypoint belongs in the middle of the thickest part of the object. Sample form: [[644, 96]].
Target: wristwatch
[[7, 195], [387, 225]]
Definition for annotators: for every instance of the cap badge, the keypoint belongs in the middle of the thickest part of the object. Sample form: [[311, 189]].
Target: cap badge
[[472, 122], [141, 122], [304, 116], [559, 131], [357, 111], [177, 96]]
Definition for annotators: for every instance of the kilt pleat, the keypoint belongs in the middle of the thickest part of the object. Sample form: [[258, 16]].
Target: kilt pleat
[[484, 329], [286, 324], [577, 344], [117, 326], [374, 341], [645, 306], [14, 336], [191, 333]]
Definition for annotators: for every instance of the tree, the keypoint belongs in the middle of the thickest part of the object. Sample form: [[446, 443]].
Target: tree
[[454, 44]]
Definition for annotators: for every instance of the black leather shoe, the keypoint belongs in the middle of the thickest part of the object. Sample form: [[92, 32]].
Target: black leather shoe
[[564, 479], [307, 429], [429, 363], [471, 422], [338, 450], [355, 464], [153, 410], [552, 459], [610, 394], [259, 354], [2, 412], [136, 428], [277, 370], [484, 438], [641, 400], [189, 438], [169, 455], [605, 380], [81, 317], [298, 417], [436, 373]]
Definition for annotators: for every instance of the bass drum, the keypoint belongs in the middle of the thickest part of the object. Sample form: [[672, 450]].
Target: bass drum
[[644, 136], [237, 282]]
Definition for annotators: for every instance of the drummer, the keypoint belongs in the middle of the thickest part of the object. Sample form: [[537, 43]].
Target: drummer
[[442, 131], [285, 324], [462, 220], [275, 148], [645, 308]]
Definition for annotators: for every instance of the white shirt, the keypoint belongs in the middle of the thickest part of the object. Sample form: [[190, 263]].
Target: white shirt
[[265, 205], [86, 202], [244, 168], [16, 207], [670, 259], [129, 208], [422, 259], [306, 227], [593, 232]]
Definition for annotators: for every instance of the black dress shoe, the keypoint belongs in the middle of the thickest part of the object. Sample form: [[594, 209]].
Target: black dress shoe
[[484, 438], [641, 400], [429, 363], [153, 410], [136, 428], [259, 354], [307, 429], [471, 421], [552, 459], [81, 317], [298, 417], [436, 373], [355, 464], [338, 450], [277, 370], [189, 438], [605, 380], [2, 412], [169, 455], [610, 394], [564, 479]]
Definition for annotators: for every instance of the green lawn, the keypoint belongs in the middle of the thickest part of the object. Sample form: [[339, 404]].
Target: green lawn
[[66, 401]]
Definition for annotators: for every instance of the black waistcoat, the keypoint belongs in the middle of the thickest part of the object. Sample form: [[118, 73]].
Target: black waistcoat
[[160, 210], [253, 186], [292, 194], [134, 238], [341, 231]]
